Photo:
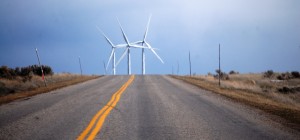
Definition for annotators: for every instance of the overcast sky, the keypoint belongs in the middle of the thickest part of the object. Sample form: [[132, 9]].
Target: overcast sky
[[255, 35]]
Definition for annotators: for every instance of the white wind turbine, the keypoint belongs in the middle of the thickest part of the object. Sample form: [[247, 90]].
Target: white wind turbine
[[149, 47], [112, 54], [127, 50]]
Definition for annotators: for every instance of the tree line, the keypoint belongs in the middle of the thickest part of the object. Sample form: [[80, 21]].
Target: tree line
[[29, 71]]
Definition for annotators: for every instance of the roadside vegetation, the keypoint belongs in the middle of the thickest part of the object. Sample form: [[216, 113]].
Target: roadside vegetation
[[275, 93], [28, 81]]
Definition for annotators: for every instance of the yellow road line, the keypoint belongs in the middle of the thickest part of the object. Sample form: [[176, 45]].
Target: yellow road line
[[103, 113]]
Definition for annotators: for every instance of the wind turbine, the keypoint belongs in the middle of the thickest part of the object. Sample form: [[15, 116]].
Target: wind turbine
[[127, 50], [112, 54], [149, 47]]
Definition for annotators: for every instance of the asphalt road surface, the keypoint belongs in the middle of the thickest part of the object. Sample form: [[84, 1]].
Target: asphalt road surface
[[151, 107]]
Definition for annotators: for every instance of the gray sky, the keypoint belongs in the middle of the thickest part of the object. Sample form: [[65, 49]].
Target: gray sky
[[255, 35]]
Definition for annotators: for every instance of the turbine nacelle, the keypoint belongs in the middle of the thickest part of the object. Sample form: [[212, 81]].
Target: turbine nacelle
[[141, 43]]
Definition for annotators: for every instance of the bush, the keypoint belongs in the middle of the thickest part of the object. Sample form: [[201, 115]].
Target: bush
[[295, 74], [268, 74], [47, 70], [288, 75], [6, 72], [286, 90], [28, 72], [25, 71], [284, 76], [222, 75], [36, 70], [233, 72], [28, 77], [17, 71]]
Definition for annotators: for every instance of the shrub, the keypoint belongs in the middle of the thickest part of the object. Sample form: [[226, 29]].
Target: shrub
[[233, 72], [25, 72], [268, 74], [222, 75], [47, 70], [6, 72], [17, 71], [28, 77], [286, 90], [284, 76], [287, 75], [295, 74]]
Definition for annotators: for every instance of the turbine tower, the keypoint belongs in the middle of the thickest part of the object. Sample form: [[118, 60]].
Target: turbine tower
[[143, 50], [127, 50], [112, 54], [144, 42]]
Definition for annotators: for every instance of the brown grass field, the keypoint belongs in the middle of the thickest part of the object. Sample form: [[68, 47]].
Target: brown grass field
[[256, 91], [11, 90]]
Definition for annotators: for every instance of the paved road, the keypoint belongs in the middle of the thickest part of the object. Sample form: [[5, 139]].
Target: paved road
[[152, 107]]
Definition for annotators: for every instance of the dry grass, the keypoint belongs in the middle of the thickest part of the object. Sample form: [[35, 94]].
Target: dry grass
[[253, 90], [11, 90]]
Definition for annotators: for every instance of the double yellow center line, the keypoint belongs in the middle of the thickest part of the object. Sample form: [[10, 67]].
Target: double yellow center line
[[98, 120]]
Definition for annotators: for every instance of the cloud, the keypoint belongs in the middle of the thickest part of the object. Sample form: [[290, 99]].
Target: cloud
[[243, 27]]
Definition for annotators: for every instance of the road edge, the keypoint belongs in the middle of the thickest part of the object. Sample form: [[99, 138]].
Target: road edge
[[41, 90], [286, 120]]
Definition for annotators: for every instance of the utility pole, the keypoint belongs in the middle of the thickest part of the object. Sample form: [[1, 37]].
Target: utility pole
[[190, 63], [43, 76], [172, 70], [219, 65], [80, 65]]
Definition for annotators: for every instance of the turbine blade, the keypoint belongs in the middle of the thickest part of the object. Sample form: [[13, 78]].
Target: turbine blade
[[112, 45], [154, 52], [121, 45], [123, 55], [124, 35], [137, 43], [155, 48], [146, 32], [111, 55], [138, 46]]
